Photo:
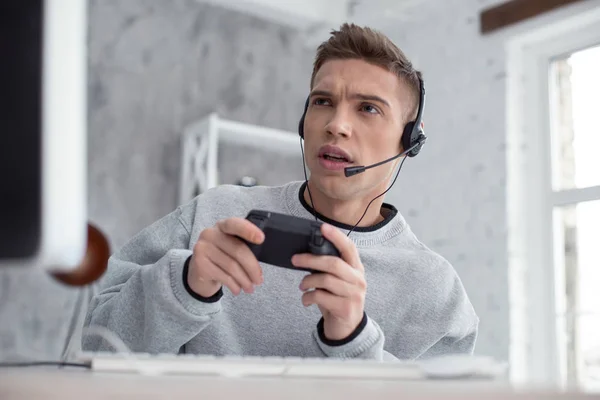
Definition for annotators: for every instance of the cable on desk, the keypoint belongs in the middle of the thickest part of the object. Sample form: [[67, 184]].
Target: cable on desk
[[109, 336], [44, 363]]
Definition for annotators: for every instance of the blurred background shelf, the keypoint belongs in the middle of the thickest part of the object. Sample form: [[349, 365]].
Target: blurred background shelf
[[200, 149]]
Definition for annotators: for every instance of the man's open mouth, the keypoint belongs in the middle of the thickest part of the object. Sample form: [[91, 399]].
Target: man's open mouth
[[336, 158]]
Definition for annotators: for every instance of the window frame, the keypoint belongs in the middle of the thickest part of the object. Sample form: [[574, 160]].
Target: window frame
[[535, 350]]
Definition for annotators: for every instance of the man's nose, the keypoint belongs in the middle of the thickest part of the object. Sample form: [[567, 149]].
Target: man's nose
[[340, 124]]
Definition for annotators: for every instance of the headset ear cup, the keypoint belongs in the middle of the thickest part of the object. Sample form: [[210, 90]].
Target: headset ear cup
[[411, 138], [406, 136], [419, 142], [301, 127], [301, 122]]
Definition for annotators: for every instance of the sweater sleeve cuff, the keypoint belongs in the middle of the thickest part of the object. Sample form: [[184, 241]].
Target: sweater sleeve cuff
[[212, 305], [360, 344], [212, 299], [335, 343]]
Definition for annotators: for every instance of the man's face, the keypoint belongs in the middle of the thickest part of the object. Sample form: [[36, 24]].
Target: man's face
[[356, 111]]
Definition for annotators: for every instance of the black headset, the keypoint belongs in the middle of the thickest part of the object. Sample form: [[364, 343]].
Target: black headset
[[413, 137]]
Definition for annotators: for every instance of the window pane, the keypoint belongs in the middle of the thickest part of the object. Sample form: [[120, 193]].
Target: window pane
[[575, 114], [580, 225], [589, 329]]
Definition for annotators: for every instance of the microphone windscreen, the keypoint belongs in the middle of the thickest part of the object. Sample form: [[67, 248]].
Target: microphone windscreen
[[350, 171]]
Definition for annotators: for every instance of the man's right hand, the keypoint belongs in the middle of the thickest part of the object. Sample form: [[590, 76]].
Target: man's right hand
[[221, 258]]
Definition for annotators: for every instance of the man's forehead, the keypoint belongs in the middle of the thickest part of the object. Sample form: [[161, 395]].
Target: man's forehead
[[358, 76]]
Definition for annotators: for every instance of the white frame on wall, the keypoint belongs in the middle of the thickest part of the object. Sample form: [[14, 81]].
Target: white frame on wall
[[200, 145], [535, 270]]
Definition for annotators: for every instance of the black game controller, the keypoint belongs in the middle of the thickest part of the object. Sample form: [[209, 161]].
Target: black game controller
[[286, 235]]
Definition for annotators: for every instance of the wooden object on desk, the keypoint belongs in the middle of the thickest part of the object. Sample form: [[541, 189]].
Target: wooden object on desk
[[94, 263]]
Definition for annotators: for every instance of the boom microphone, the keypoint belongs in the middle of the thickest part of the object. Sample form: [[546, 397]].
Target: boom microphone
[[350, 171]]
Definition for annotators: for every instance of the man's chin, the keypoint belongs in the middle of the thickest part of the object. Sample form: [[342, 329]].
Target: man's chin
[[335, 186]]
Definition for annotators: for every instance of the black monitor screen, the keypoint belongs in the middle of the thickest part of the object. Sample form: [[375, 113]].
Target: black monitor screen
[[20, 122]]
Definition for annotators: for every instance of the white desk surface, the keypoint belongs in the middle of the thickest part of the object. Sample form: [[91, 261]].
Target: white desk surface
[[66, 384]]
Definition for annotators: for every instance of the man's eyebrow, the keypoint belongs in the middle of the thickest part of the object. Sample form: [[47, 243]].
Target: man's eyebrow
[[361, 96], [321, 93], [371, 97]]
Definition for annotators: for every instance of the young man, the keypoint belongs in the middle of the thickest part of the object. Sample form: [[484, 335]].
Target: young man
[[187, 284]]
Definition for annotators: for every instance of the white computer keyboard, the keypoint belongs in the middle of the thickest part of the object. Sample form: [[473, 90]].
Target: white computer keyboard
[[459, 367]]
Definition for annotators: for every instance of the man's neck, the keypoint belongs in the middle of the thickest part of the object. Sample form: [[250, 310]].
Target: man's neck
[[345, 211]]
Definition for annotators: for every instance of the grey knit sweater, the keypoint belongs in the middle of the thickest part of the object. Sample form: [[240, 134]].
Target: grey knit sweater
[[416, 306]]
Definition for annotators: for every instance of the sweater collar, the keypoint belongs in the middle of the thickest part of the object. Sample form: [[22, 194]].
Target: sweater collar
[[392, 224], [390, 212]]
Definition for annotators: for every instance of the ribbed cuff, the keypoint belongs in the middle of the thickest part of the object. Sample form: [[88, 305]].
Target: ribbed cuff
[[179, 259], [364, 342], [340, 342], [212, 299]]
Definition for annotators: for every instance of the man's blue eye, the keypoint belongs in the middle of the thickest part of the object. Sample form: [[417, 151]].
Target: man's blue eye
[[370, 109]]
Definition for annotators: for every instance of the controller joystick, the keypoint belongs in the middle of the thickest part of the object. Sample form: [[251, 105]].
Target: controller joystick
[[258, 220], [320, 246]]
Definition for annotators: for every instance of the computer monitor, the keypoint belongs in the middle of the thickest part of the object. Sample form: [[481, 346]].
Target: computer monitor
[[43, 151]]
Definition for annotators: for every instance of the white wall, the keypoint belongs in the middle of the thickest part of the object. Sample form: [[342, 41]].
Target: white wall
[[454, 193]]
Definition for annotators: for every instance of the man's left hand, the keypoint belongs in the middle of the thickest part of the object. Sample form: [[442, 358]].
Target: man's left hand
[[339, 291]]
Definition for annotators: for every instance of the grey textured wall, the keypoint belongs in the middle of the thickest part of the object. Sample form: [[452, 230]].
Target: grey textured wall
[[454, 193], [156, 66]]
